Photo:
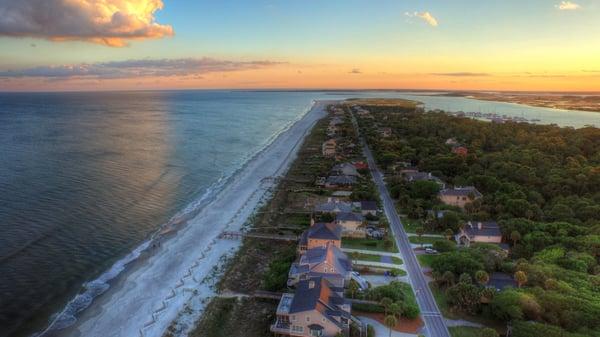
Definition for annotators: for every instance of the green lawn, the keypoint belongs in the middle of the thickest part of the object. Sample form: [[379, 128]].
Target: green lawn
[[410, 226], [369, 244], [397, 260], [424, 239], [374, 258], [366, 257], [425, 259]]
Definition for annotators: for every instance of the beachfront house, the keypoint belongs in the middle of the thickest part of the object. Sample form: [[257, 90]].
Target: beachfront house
[[328, 262], [459, 196], [351, 224], [340, 181], [480, 231], [333, 206], [332, 130], [345, 169], [328, 148], [320, 234], [317, 308]]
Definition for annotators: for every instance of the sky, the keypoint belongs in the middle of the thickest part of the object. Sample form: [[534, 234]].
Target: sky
[[533, 45]]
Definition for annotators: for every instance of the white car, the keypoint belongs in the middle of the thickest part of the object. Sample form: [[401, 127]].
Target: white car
[[430, 251]]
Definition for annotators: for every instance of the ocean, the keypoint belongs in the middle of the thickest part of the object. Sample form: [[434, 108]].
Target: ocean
[[86, 178]]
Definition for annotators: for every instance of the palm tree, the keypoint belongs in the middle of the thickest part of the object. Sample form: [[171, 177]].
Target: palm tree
[[390, 321], [396, 309], [385, 303], [515, 237], [482, 277], [448, 278], [420, 231], [521, 278], [448, 233]]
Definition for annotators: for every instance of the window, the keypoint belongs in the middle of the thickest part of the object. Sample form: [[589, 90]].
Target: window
[[308, 318], [316, 333], [297, 328], [293, 318]]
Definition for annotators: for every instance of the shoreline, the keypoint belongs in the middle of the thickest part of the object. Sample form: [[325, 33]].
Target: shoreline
[[150, 293]]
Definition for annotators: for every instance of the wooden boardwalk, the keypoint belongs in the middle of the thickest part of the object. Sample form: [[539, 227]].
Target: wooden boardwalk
[[239, 235]]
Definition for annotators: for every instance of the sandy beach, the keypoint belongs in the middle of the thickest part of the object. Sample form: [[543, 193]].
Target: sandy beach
[[167, 279]]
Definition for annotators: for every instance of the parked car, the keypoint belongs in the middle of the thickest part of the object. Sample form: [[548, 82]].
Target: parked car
[[430, 251]]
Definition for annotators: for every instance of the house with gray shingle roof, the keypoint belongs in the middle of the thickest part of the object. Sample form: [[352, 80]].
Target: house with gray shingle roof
[[367, 207], [351, 224], [328, 262], [422, 176], [334, 206], [459, 196], [340, 181], [481, 231], [319, 235], [317, 308], [345, 169]]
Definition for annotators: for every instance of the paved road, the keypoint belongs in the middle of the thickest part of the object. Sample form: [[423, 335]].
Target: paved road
[[434, 322]]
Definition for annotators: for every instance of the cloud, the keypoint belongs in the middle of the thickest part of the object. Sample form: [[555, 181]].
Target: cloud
[[355, 71], [137, 68], [567, 6], [461, 74], [108, 22], [425, 16]]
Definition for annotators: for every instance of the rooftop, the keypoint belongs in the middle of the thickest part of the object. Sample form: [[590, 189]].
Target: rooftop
[[346, 216], [461, 191], [483, 228], [325, 231]]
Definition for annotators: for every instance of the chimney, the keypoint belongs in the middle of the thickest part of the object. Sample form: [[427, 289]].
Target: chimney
[[479, 225], [311, 284]]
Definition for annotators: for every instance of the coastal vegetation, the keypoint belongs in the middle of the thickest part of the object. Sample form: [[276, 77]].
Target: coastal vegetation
[[540, 183]]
